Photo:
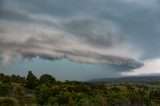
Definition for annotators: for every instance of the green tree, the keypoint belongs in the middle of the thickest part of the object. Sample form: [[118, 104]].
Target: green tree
[[65, 98], [43, 93], [6, 86], [32, 80], [6, 79], [47, 79], [1, 76]]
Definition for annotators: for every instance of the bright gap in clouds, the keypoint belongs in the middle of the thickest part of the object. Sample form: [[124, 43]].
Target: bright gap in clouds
[[150, 67]]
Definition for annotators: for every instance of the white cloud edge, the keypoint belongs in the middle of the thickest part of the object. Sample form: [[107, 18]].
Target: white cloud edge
[[151, 66]]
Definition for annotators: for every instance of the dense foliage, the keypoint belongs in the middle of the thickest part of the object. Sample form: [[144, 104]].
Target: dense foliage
[[46, 91]]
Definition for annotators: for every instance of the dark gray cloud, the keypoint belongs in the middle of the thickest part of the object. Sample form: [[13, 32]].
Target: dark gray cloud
[[96, 32], [9, 14], [114, 32]]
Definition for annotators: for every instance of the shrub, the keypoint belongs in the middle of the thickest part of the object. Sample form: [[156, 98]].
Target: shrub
[[8, 102]]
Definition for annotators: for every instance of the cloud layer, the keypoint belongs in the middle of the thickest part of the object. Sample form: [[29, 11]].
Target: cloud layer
[[22, 40], [90, 31]]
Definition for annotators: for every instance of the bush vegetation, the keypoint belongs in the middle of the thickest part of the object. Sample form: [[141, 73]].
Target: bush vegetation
[[46, 91]]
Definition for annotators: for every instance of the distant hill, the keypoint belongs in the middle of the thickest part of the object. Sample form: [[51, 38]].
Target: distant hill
[[136, 79]]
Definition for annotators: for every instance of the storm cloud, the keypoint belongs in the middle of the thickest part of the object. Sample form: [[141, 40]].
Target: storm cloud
[[122, 33]]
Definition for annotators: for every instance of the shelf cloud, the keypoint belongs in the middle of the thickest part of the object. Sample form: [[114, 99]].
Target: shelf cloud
[[23, 40], [120, 33]]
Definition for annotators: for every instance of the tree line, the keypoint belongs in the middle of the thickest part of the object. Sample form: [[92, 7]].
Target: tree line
[[47, 91]]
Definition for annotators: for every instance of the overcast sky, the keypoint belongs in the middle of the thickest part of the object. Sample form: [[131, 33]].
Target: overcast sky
[[80, 39]]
